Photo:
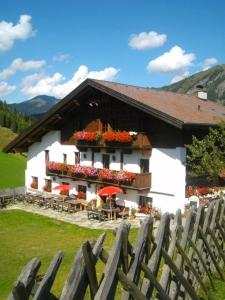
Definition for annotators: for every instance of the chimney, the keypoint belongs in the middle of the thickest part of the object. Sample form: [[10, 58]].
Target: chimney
[[201, 93]]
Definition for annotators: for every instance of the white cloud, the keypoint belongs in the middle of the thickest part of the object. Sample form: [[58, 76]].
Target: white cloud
[[61, 57], [209, 62], [173, 61], [23, 66], [9, 33], [180, 77], [6, 89], [147, 40], [54, 85]]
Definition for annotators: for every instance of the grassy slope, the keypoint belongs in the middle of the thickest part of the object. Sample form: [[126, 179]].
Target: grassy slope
[[6, 136], [38, 236], [12, 168]]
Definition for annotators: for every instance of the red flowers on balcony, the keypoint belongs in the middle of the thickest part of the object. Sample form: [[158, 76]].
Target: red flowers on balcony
[[106, 174], [54, 166], [86, 136], [121, 177], [125, 177], [117, 136]]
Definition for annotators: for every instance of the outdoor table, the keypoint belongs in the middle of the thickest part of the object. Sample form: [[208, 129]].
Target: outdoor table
[[111, 212], [79, 203], [57, 203], [74, 203]]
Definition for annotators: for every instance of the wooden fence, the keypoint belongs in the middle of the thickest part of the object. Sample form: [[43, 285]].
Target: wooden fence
[[172, 264]]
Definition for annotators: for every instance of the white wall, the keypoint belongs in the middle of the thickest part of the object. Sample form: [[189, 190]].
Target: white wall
[[168, 178], [36, 157], [166, 165]]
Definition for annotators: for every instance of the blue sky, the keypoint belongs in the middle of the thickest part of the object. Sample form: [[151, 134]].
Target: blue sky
[[49, 47]]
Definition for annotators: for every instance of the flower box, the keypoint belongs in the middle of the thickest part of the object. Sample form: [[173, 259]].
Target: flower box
[[53, 167], [120, 137], [106, 174], [86, 136], [34, 185], [47, 188], [77, 170], [125, 177], [91, 172]]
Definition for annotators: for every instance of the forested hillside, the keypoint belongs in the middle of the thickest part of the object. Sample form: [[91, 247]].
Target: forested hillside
[[212, 80], [13, 120]]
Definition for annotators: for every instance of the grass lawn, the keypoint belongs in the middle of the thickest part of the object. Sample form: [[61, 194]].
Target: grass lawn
[[12, 170], [25, 235]]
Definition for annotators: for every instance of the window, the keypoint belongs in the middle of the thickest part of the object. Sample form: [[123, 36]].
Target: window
[[64, 158], [34, 183], [121, 161], [46, 156], [48, 185], [105, 161], [144, 165], [77, 158], [92, 158], [82, 190], [145, 201]]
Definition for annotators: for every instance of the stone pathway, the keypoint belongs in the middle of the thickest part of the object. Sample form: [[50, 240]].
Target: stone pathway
[[78, 218]]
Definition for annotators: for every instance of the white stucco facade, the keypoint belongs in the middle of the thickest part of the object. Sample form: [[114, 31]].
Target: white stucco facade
[[167, 166]]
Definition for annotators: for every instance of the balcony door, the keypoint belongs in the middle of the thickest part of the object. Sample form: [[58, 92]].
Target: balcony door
[[144, 165], [105, 160]]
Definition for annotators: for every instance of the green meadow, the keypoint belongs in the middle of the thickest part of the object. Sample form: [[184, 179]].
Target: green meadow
[[12, 170], [25, 235]]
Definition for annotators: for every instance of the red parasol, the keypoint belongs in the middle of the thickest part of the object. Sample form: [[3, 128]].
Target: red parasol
[[63, 187], [109, 191]]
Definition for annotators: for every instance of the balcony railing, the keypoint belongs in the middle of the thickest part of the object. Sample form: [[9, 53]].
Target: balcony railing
[[139, 141], [135, 181]]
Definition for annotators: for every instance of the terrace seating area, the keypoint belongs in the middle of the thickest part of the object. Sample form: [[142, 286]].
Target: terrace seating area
[[66, 204]]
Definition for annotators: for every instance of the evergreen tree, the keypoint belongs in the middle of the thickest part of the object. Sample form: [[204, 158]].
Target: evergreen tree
[[16, 121]]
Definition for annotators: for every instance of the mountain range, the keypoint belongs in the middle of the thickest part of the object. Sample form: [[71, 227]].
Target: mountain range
[[212, 81], [36, 106]]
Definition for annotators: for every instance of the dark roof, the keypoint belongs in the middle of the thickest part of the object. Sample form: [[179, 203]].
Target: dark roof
[[188, 109], [176, 109]]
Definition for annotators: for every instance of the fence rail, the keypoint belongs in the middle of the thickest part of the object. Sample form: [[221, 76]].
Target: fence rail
[[171, 264]]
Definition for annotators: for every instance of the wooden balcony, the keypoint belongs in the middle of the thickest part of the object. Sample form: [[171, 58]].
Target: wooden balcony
[[140, 142], [141, 182]]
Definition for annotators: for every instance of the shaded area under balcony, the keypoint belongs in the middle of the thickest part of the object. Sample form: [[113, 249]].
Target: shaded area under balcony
[[141, 181]]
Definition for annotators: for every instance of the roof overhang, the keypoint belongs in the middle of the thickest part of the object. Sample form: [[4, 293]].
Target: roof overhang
[[71, 100]]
